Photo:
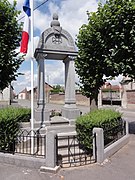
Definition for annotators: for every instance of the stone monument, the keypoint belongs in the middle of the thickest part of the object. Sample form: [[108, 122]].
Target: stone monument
[[57, 44]]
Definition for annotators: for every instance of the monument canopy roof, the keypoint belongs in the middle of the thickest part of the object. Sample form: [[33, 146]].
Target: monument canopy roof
[[55, 43]]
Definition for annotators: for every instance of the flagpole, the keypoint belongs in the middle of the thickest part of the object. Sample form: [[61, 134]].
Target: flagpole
[[32, 75]]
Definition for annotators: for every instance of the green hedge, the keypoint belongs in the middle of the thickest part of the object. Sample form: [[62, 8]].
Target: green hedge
[[9, 125], [103, 118]]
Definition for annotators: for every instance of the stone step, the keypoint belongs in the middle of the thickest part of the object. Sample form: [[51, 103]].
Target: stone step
[[61, 128], [56, 128], [58, 120]]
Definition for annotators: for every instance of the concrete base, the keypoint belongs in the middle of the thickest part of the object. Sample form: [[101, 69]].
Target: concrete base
[[22, 161], [49, 169], [70, 113], [57, 121], [38, 124], [60, 129], [42, 115], [72, 122], [116, 146]]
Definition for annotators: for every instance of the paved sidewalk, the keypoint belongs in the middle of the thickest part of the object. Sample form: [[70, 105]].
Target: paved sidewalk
[[121, 166]]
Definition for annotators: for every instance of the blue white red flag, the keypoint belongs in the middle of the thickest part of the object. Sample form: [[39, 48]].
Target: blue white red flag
[[26, 27]]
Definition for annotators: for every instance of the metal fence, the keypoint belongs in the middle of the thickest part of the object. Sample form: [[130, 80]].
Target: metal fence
[[113, 134], [31, 143], [69, 152]]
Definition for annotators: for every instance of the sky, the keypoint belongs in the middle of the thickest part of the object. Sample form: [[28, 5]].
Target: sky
[[72, 15]]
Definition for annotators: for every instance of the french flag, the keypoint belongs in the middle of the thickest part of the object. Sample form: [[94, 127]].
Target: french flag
[[26, 28]]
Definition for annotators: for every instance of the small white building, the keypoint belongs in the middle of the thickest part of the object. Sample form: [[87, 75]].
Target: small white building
[[24, 93], [7, 94]]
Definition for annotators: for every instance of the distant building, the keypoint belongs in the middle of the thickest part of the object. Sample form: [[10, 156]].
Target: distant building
[[7, 94], [110, 91], [128, 96], [23, 94], [26, 93]]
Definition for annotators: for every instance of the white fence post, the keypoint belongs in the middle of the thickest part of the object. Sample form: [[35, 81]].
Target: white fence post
[[99, 145], [127, 127]]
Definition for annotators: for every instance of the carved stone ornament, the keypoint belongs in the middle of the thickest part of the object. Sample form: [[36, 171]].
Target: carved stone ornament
[[55, 24]]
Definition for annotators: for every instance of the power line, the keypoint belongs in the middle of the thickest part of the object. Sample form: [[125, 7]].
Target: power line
[[35, 8]]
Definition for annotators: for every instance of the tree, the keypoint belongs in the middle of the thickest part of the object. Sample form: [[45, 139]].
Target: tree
[[106, 46], [10, 36], [57, 89]]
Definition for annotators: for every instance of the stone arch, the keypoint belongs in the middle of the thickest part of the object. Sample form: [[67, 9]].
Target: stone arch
[[46, 42]]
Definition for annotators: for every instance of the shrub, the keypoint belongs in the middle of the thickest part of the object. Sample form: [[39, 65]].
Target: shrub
[[55, 113], [9, 125], [103, 118]]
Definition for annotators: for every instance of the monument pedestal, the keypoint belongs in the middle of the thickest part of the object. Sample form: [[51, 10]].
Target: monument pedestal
[[70, 113], [41, 116]]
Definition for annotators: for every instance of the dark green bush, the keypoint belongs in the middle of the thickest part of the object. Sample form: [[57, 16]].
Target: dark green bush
[[103, 118], [9, 125]]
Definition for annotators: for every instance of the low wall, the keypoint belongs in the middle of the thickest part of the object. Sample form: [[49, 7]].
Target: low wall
[[102, 153], [113, 148], [57, 98], [50, 160], [60, 98], [22, 160], [83, 100], [130, 99], [130, 96]]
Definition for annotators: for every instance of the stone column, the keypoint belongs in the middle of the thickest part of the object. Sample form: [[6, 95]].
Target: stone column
[[99, 145], [124, 99], [50, 149], [41, 113], [70, 110], [41, 84], [100, 98]]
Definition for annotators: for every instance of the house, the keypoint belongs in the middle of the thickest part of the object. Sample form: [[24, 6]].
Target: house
[[23, 94], [7, 94], [110, 91], [128, 96], [26, 93]]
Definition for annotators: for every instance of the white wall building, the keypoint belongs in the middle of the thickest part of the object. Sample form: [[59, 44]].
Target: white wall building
[[23, 93], [7, 94]]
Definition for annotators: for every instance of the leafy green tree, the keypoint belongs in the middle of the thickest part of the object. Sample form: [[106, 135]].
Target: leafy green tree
[[57, 89], [106, 46], [10, 36]]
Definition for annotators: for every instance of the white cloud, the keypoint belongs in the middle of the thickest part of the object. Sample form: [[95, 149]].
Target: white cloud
[[41, 21], [19, 7], [71, 17], [54, 72], [116, 80], [24, 81]]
